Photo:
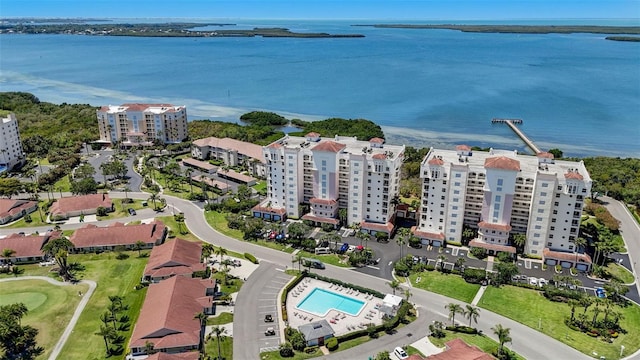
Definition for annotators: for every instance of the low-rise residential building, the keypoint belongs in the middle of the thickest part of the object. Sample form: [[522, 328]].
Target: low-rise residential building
[[339, 179], [219, 185], [14, 209], [25, 248], [11, 153], [200, 165], [67, 207], [168, 316], [142, 124], [91, 238], [175, 257], [232, 152], [237, 177], [502, 193], [316, 333]]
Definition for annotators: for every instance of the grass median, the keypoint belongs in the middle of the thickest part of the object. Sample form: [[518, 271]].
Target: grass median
[[531, 308], [449, 285]]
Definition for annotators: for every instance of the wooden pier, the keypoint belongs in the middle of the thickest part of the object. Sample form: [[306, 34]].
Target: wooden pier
[[512, 124]]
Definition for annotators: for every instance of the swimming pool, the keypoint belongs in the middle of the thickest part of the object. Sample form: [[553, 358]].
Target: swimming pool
[[321, 301]]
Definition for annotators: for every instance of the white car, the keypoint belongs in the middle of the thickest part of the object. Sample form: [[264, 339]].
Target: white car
[[533, 281], [542, 282], [400, 353]]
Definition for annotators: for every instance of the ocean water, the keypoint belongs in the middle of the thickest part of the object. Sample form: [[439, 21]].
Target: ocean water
[[577, 92]]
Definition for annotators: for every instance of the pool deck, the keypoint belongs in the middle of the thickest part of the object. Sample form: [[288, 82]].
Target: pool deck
[[341, 323]]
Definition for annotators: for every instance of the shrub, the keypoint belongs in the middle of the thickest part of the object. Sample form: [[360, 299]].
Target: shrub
[[558, 268], [504, 257], [462, 329], [286, 350], [429, 268], [250, 258], [474, 276], [332, 344], [480, 253], [311, 349]]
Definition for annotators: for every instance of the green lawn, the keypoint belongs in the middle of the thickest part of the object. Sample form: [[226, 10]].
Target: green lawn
[[217, 221], [226, 348], [173, 225], [220, 319], [121, 212], [50, 307], [233, 285], [298, 355], [620, 272], [114, 277], [483, 342], [530, 308], [449, 285], [62, 185], [332, 259]]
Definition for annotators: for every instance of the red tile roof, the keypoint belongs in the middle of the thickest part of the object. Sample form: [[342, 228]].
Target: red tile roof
[[270, 210], [329, 146], [436, 161], [502, 162], [192, 355], [457, 349], [27, 245], [427, 234], [376, 140], [490, 246], [245, 148], [574, 175], [546, 155], [386, 227], [88, 203], [379, 156], [565, 256], [322, 201], [175, 257], [491, 226], [463, 147], [118, 234], [167, 314], [320, 219], [11, 207], [200, 164]]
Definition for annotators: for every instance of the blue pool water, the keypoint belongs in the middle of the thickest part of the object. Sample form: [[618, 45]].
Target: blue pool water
[[320, 301]]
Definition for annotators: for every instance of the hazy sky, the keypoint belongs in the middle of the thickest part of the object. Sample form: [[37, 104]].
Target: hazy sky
[[326, 9]]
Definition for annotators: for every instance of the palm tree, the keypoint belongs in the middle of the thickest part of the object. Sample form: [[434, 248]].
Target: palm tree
[[401, 239], [579, 242], [7, 253], [59, 249], [188, 172], [299, 259], [472, 313], [149, 348], [441, 260], [113, 309], [218, 331], [361, 235], [573, 304], [519, 240], [394, 285], [220, 251], [407, 295], [153, 198], [585, 302], [139, 245], [202, 317], [459, 262], [503, 336], [107, 333], [207, 250], [596, 311], [453, 310]]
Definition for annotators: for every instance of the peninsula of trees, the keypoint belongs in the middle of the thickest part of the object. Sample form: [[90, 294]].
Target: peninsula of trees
[[159, 30], [519, 29]]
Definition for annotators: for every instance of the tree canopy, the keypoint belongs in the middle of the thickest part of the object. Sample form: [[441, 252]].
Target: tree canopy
[[361, 128], [16, 340], [263, 118]]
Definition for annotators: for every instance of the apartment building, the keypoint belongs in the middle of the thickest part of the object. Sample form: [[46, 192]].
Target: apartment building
[[232, 152], [325, 175], [11, 153], [142, 124], [501, 193]]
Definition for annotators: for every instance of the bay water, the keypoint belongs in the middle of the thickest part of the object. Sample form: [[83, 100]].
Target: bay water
[[576, 92]]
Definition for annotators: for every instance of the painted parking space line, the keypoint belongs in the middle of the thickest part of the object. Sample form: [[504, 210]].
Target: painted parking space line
[[373, 267]]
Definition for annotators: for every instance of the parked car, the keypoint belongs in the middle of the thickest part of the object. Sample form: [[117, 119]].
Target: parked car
[[400, 353], [601, 293], [343, 248], [542, 282], [237, 262], [268, 318], [131, 212], [533, 281], [270, 331]]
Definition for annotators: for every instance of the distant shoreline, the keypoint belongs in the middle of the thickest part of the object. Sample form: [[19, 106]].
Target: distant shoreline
[[518, 29], [160, 30]]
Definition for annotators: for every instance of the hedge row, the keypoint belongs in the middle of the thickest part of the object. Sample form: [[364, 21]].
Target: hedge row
[[463, 329], [351, 286], [251, 258], [283, 298]]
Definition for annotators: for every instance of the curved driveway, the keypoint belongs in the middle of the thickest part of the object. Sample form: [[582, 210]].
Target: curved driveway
[[526, 341], [76, 314]]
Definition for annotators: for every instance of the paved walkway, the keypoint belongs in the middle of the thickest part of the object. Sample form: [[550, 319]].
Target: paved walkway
[[490, 264], [426, 347], [476, 299], [76, 314]]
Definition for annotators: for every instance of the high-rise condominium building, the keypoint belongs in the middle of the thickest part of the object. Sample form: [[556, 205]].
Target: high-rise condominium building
[[325, 175], [11, 153], [141, 124], [502, 193]]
